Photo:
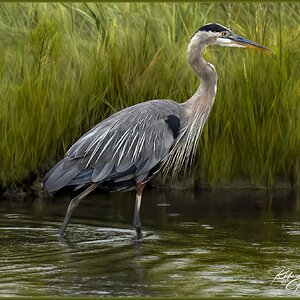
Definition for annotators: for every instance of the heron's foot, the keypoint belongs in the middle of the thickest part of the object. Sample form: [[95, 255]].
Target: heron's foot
[[138, 233], [61, 233]]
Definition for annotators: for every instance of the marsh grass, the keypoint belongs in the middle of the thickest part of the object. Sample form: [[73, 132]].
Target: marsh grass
[[65, 67]]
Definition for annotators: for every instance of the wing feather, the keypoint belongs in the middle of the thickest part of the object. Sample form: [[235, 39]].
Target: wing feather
[[101, 173], [128, 144]]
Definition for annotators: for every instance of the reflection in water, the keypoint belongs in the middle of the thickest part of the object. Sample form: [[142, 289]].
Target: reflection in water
[[196, 244]]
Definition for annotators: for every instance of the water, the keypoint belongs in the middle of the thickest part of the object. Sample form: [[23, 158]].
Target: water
[[196, 244]]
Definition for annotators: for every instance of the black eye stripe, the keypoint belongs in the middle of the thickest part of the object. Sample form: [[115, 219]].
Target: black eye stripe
[[214, 27]]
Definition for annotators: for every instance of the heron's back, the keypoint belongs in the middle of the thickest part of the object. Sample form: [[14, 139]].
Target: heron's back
[[127, 147]]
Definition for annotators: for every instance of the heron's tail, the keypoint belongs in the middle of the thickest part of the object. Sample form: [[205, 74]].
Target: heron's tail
[[60, 175]]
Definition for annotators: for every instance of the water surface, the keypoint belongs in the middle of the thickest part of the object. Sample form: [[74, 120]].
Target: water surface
[[196, 244]]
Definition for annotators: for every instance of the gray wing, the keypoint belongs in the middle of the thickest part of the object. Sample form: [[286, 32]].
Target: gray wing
[[127, 145]]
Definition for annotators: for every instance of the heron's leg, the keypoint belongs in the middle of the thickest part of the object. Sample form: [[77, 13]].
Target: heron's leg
[[136, 218], [74, 203]]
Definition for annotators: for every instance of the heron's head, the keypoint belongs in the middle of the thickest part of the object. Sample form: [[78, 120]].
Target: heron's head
[[217, 34]]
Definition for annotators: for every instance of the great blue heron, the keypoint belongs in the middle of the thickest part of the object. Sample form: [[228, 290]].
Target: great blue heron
[[125, 150]]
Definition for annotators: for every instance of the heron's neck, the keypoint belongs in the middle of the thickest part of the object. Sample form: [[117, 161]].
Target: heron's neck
[[204, 97], [196, 109]]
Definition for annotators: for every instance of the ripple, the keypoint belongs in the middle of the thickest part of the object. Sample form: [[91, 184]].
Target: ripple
[[225, 253], [189, 224], [206, 226]]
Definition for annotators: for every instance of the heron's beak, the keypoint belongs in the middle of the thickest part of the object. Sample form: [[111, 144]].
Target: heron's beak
[[238, 41]]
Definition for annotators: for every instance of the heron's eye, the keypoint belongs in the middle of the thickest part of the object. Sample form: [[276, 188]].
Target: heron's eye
[[224, 33]]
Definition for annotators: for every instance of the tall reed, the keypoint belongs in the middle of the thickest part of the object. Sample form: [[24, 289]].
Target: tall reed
[[64, 67]]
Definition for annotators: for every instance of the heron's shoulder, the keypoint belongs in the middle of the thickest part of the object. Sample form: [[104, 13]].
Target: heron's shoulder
[[153, 105], [146, 111]]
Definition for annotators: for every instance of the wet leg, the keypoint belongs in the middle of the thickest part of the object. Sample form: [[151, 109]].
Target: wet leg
[[136, 218], [73, 204]]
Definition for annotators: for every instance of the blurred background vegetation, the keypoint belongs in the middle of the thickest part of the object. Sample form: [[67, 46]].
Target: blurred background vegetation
[[64, 67]]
